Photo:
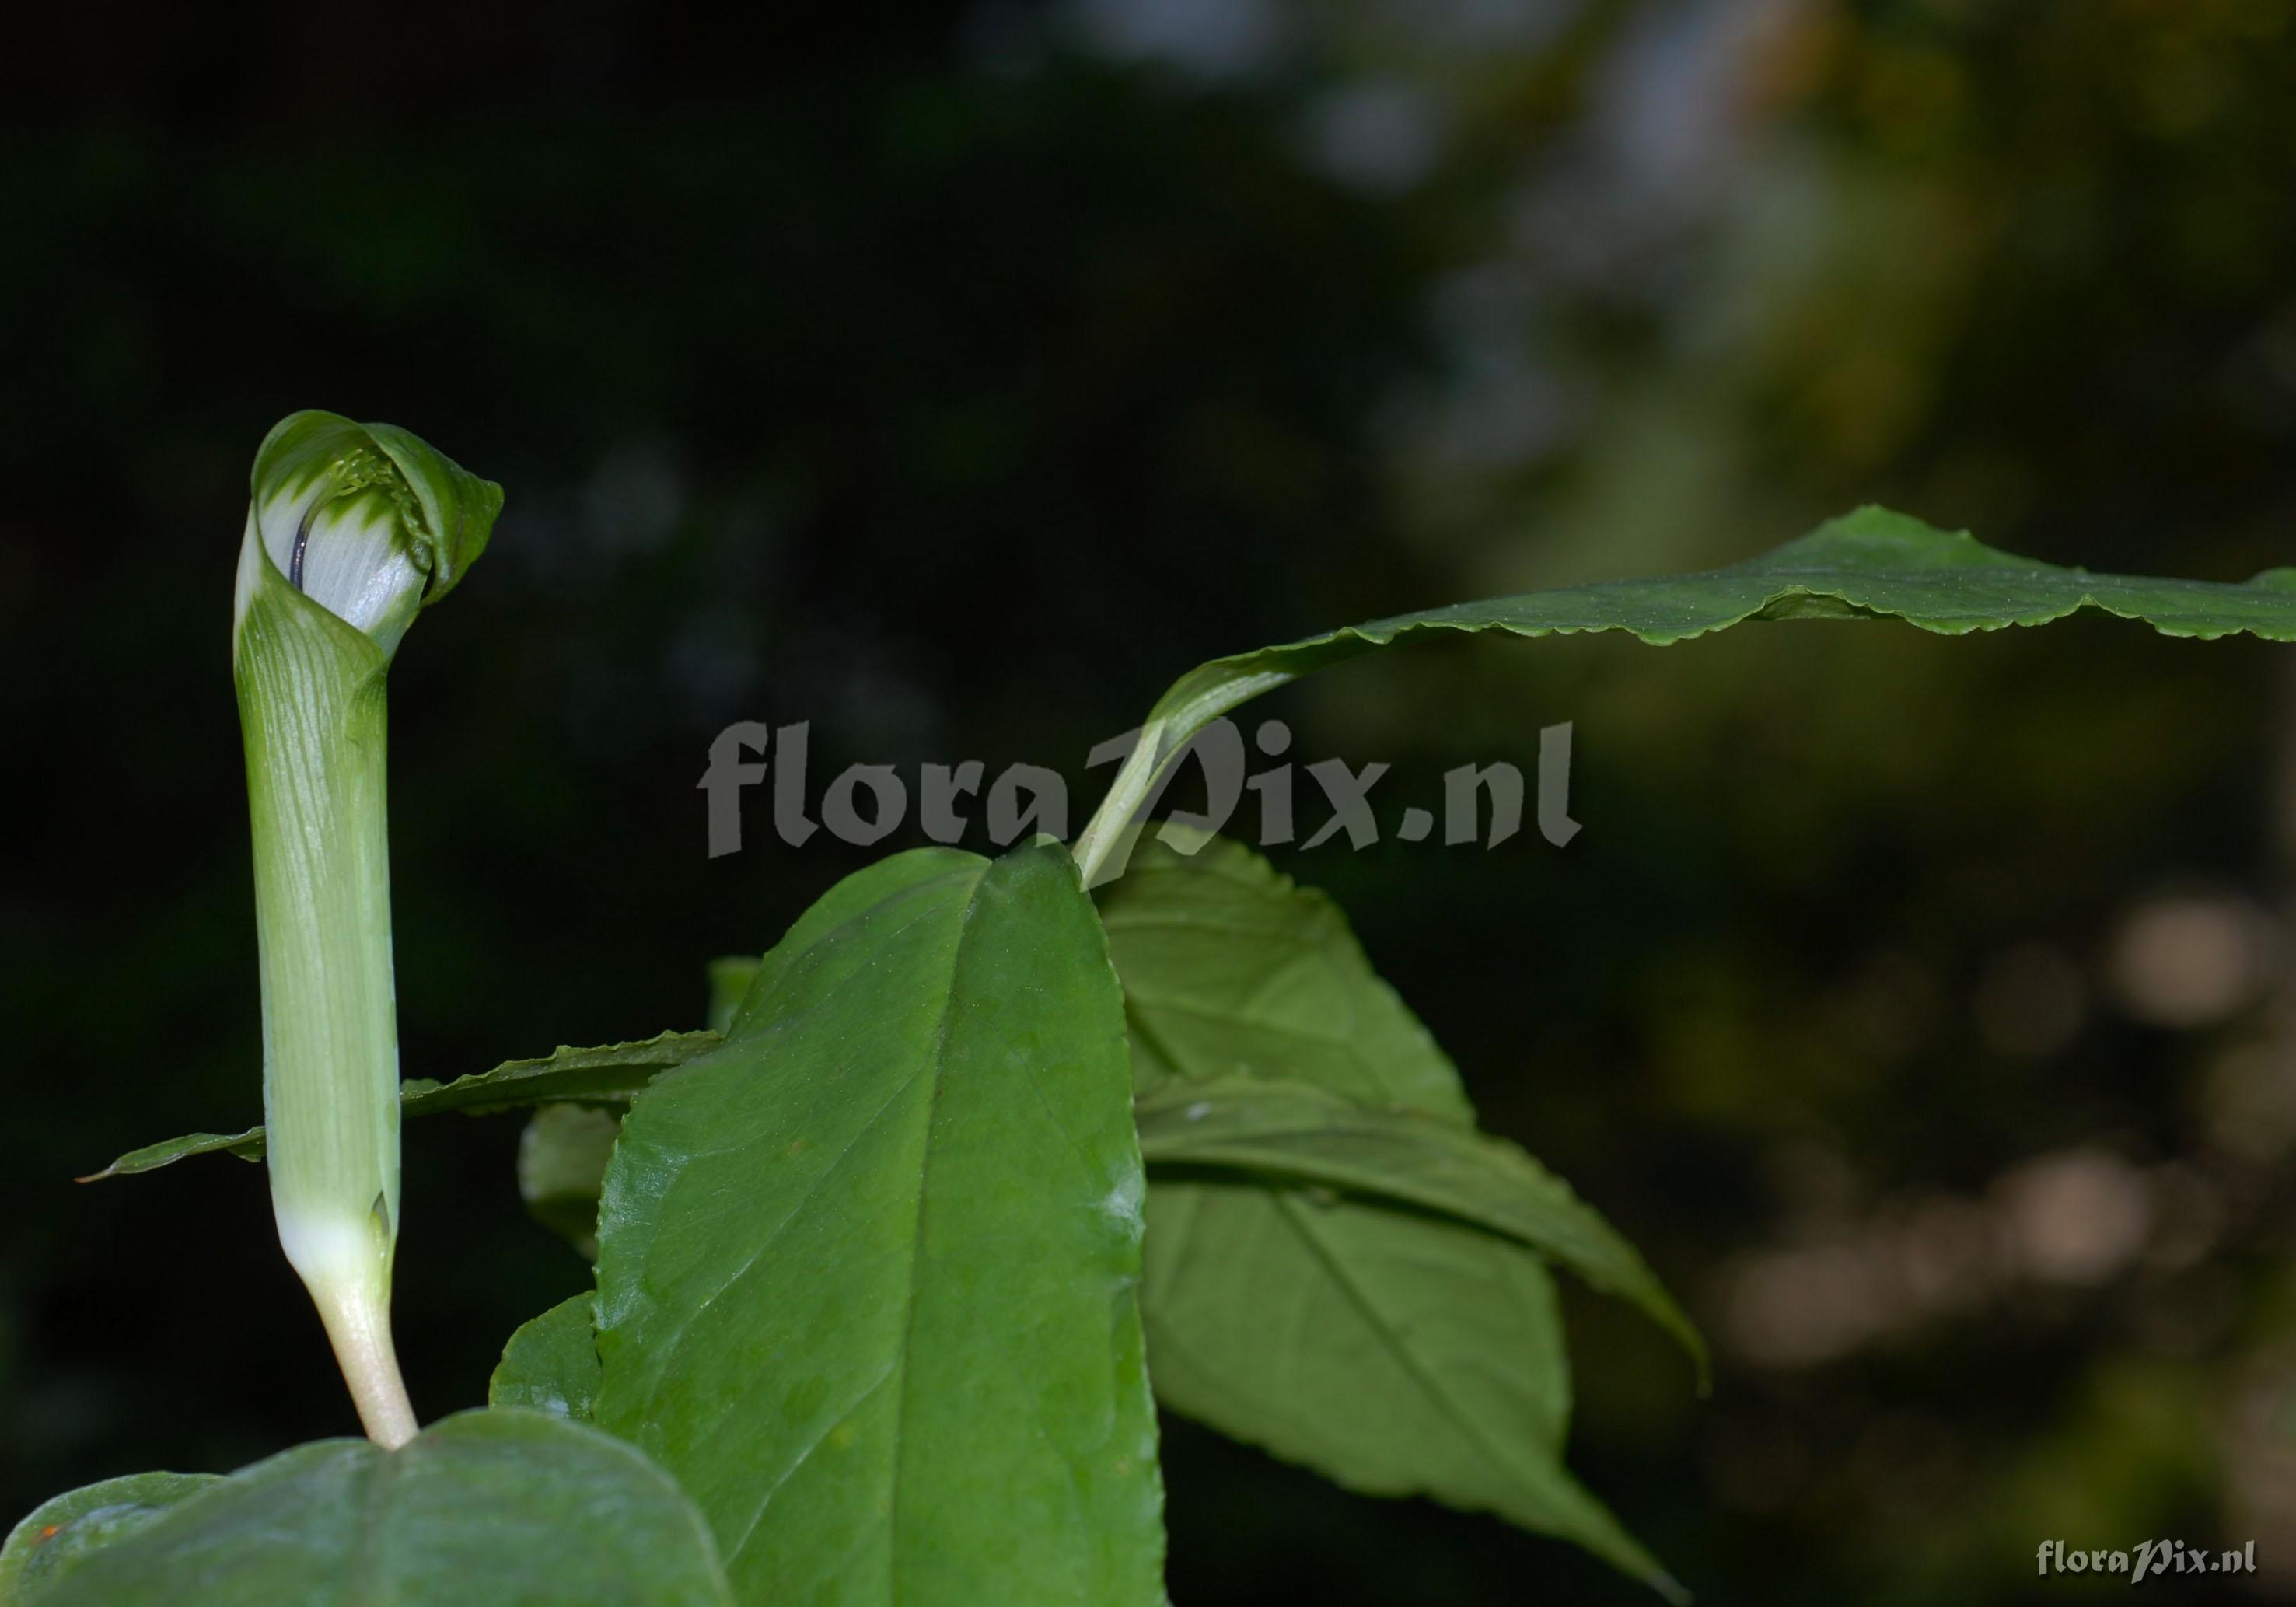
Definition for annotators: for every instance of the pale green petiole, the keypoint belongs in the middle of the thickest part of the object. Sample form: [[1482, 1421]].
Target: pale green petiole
[[352, 529]]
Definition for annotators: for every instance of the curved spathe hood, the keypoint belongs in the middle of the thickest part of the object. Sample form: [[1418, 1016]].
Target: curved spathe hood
[[365, 521]]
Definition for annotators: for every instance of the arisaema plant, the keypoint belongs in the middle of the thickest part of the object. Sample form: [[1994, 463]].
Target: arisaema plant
[[351, 529], [897, 1251]]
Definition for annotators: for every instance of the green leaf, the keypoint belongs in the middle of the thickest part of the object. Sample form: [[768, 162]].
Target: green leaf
[[1396, 1354], [1869, 564], [551, 1364], [1263, 1040], [562, 1166], [1301, 1296], [868, 1274], [563, 1154], [856, 896], [63, 1530], [1230, 970], [608, 1074], [512, 1509], [1299, 1133], [151, 1157]]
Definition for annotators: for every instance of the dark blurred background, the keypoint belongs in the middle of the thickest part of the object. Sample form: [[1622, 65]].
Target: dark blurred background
[[953, 376]]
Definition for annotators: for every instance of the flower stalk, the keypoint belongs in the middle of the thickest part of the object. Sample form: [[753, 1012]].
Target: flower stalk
[[351, 529]]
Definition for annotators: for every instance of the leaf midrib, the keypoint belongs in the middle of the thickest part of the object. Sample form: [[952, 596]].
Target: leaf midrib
[[930, 1062], [939, 1066], [1294, 1211]]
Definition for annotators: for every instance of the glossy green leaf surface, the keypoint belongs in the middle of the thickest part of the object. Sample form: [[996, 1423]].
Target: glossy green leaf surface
[[868, 1274], [63, 1530], [1301, 1295], [1867, 565], [851, 898], [510, 1509], [551, 1364], [610, 1074]]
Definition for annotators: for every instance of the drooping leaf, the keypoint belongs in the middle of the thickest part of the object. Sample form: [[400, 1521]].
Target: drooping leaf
[[562, 1165], [1305, 1126], [867, 1278], [1869, 564], [1396, 1354], [606, 1074], [551, 1364], [509, 1508], [62, 1531], [1299, 1133], [1263, 1040]]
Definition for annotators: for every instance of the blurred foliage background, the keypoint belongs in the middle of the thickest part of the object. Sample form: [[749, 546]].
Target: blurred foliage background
[[953, 375]]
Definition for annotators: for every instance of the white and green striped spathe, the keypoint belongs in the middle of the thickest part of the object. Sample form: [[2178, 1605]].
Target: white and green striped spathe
[[351, 529]]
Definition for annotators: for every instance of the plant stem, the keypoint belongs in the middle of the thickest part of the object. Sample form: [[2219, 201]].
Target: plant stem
[[312, 712], [1197, 700], [1113, 818], [359, 1330]]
